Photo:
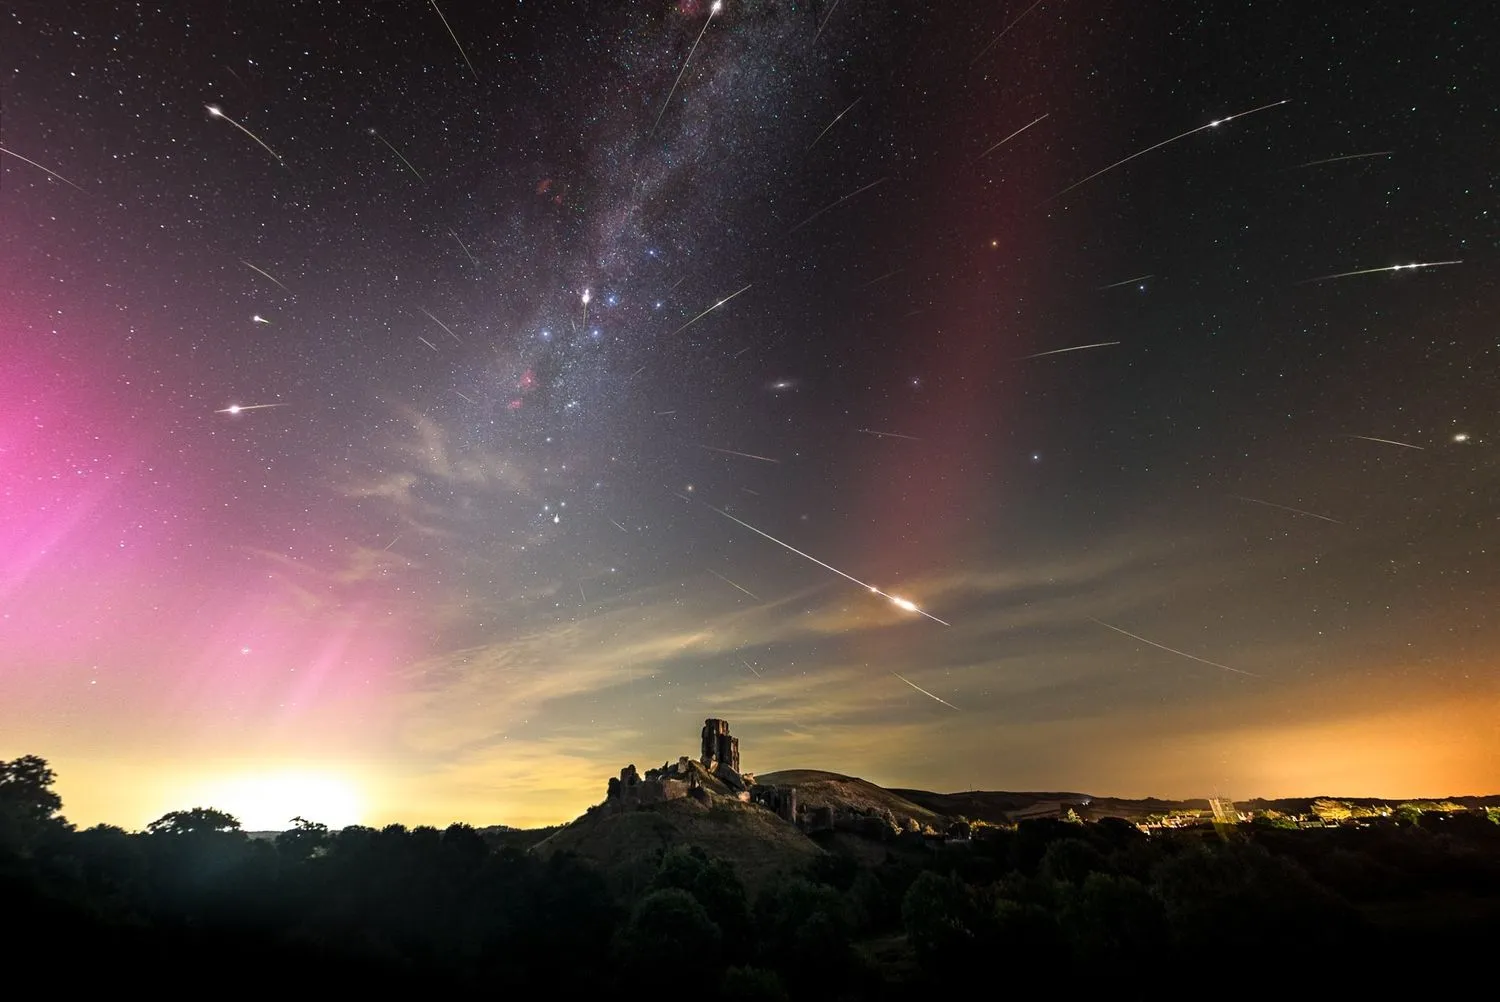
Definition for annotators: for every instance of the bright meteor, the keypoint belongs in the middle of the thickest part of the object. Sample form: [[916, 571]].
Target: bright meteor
[[216, 112], [241, 408], [900, 603], [1372, 271], [1181, 135], [1076, 347], [712, 11], [44, 170], [706, 312]]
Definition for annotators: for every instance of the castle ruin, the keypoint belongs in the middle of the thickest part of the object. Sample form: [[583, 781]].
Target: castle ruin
[[718, 766], [719, 748]]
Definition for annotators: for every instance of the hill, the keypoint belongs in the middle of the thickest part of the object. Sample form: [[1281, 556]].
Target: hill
[[628, 845], [849, 794]]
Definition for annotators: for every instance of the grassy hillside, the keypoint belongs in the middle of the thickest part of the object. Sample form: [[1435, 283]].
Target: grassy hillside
[[627, 846], [829, 789]]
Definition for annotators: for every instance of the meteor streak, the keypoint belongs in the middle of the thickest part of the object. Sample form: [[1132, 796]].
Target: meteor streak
[[731, 584], [826, 17], [472, 259], [706, 312], [266, 274], [835, 117], [1371, 271], [427, 342], [465, 396], [712, 11], [882, 278], [49, 173], [1011, 136], [834, 205], [399, 154], [1181, 135], [456, 42], [1386, 441], [1334, 160], [617, 525], [215, 111], [889, 434], [895, 600], [442, 325], [747, 455], [1295, 511], [241, 408], [994, 41], [1059, 351], [1128, 281], [924, 692], [1173, 650]]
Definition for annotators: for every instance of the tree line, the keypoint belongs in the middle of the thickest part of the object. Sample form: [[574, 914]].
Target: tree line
[[423, 909]]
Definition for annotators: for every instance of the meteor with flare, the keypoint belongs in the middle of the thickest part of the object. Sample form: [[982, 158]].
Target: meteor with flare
[[241, 408], [706, 312], [216, 112], [901, 603]]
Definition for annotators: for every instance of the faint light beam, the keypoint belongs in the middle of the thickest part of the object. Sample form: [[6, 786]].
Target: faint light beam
[[747, 455], [456, 42], [1386, 441], [731, 584], [924, 692], [995, 41], [1173, 650], [1076, 347], [1283, 507], [1011, 136], [266, 274], [835, 205]]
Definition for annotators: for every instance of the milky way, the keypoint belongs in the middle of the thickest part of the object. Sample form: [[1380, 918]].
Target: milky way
[[358, 361]]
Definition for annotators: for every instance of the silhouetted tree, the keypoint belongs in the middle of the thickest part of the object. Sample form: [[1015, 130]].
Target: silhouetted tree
[[805, 931], [945, 924], [714, 884], [197, 821], [30, 810], [1071, 860], [670, 925], [1111, 922], [303, 839]]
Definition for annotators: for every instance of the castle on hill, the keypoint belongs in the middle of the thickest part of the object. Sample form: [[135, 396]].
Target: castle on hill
[[715, 773]]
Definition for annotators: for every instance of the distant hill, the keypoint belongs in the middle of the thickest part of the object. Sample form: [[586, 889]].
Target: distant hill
[[829, 789]]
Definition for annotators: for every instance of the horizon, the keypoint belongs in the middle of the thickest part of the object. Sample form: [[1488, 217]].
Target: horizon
[[430, 412]]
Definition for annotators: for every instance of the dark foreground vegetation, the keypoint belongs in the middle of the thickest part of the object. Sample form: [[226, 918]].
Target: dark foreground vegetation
[[422, 910]]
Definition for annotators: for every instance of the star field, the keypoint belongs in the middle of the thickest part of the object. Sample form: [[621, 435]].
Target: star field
[[415, 397]]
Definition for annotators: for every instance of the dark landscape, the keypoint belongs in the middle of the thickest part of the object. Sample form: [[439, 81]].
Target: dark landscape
[[1059, 436], [699, 881]]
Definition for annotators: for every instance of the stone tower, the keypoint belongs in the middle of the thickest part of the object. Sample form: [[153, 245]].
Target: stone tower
[[719, 748]]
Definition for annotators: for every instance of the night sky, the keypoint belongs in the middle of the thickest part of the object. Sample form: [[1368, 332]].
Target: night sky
[[386, 444]]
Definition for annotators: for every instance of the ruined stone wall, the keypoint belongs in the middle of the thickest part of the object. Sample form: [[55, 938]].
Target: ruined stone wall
[[779, 800]]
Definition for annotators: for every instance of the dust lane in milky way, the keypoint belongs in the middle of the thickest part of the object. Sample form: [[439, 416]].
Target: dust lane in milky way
[[344, 460]]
